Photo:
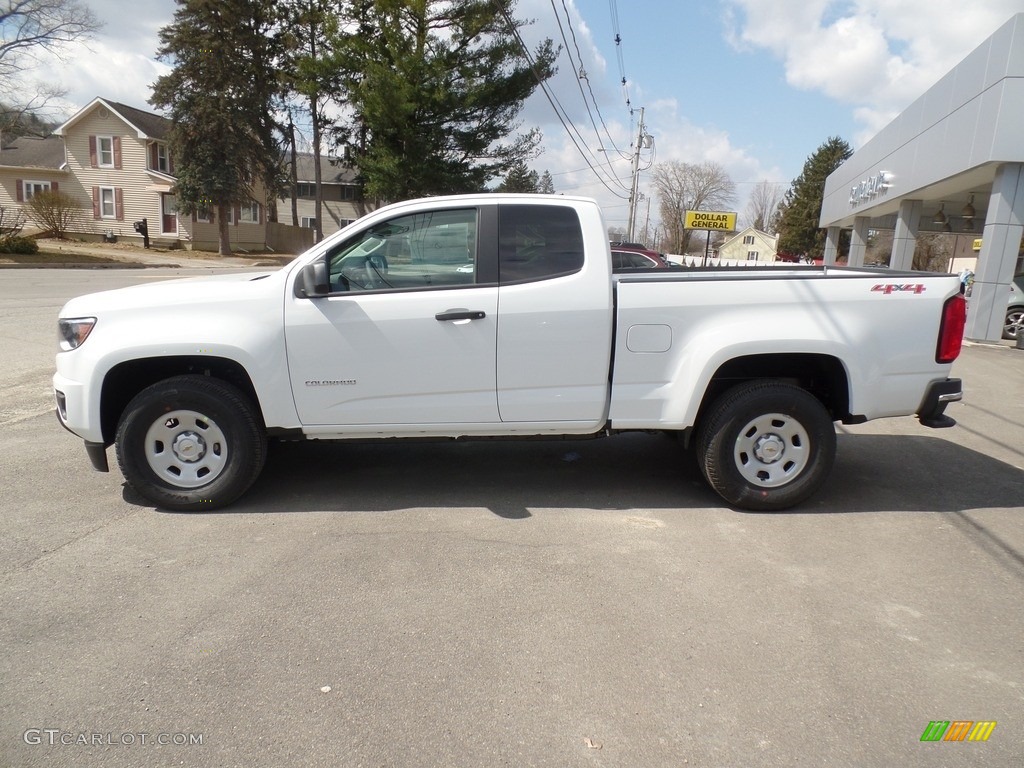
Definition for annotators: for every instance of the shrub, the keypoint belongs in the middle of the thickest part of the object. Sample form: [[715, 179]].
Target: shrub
[[54, 211], [19, 245]]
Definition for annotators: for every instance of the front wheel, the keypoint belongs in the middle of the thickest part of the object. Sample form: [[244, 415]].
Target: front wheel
[[766, 445], [190, 443]]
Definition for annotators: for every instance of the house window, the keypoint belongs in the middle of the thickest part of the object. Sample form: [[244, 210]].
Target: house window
[[204, 215], [108, 206], [163, 162], [307, 222], [748, 240], [31, 188], [305, 190], [751, 255], [348, 191], [250, 213], [105, 150]]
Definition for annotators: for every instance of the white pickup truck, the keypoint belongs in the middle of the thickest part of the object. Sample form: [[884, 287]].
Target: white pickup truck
[[499, 316]]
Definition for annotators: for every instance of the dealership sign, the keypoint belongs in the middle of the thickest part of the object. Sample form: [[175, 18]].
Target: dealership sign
[[871, 188]]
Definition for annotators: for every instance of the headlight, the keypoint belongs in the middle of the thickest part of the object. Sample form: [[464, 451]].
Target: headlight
[[73, 331]]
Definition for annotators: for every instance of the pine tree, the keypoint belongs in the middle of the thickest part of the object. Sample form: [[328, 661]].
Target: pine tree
[[520, 179], [799, 233], [546, 186], [219, 97], [436, 86]]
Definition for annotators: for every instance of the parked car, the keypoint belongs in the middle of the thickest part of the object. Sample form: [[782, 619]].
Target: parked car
[[1015, 309], [1014, 322], [624, 259], [662, 261]]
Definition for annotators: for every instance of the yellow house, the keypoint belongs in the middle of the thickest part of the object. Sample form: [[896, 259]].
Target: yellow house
[[117, 164], [749, 245]]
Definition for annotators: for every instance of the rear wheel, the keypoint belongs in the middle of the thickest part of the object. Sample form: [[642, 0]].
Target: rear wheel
[[766, 445], [1014, 323], [190, 442]]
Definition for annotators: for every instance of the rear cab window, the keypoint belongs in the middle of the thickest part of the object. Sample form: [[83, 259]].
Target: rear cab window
[[538, 242]]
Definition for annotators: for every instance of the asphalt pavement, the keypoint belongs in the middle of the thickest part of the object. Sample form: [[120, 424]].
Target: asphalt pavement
[[577, 603]]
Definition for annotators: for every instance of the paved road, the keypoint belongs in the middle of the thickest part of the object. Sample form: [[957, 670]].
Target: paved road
[[548, 604]]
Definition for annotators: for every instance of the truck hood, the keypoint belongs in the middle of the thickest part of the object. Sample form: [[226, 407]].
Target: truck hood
[[215, 289]]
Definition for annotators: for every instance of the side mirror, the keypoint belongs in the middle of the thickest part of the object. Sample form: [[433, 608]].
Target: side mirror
[[313, 281]]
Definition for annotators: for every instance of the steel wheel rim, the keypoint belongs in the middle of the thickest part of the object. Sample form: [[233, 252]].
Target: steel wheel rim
[[186, 449], [771, 450]]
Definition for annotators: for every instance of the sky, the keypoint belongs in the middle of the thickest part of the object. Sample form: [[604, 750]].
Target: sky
[[755, 86]]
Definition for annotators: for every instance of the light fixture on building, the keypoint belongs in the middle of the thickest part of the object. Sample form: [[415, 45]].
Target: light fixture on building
[[968, 211], [940, 216]]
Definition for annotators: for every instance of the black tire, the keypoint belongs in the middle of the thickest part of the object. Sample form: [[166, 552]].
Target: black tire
[[1014, 323], [191, 443], [766, 446]]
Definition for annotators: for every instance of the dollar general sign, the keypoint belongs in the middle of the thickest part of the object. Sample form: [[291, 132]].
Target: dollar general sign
[[722, 220]]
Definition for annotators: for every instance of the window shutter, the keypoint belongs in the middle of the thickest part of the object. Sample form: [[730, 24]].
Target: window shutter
[[154, 159], [119, 204], [53, 186], [116, 141], [20, 191], [93, 161], [237, 213], [259, 213], [96, 202]]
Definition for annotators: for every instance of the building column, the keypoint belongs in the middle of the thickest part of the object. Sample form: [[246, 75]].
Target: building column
[[831, 245], [905, 239], [1000, 244], [859, 241]]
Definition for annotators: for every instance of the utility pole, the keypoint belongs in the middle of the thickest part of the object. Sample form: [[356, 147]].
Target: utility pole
[[640, 138]]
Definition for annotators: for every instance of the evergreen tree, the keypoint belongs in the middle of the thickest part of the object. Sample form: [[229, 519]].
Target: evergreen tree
[[311, 71], [801, 210], [219, 95], [546, 186], [520, 179], [435, 87]]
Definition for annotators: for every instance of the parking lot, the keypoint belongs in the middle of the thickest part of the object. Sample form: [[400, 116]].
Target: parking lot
[[577, 603]]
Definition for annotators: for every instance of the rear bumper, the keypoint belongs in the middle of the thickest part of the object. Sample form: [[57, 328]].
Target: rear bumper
[[933, 407]]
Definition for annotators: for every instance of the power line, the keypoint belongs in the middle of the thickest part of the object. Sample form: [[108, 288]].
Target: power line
[[560, 112]]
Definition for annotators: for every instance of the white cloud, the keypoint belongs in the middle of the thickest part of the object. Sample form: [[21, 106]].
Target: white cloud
[[875, 55]]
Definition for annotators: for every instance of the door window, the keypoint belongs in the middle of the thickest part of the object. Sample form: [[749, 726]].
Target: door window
[[433, 249]]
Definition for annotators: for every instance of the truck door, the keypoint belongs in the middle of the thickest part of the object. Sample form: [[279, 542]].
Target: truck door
[[407, 335], [556, 322]]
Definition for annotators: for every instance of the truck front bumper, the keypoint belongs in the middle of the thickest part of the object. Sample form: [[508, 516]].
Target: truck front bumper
[[933, 407]]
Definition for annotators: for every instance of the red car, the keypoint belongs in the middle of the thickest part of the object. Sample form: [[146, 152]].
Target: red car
[[636, 256]]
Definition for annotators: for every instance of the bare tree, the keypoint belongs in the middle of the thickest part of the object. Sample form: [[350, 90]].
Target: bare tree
[[686, 187], [29, 30], [762, 211], [54, 211]]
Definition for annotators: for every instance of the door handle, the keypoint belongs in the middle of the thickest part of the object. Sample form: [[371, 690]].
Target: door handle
[[460, 314]]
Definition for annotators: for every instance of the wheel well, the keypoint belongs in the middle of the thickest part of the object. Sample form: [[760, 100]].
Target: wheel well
[[127, 379], [821, 375]]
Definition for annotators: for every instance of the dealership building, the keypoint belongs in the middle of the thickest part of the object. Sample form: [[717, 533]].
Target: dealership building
[[952, 162]]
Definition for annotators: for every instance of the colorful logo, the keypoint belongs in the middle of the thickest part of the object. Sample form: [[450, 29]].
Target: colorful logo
[[958, 730]]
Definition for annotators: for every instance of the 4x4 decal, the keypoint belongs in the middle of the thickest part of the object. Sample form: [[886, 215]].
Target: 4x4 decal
[[888, 288]]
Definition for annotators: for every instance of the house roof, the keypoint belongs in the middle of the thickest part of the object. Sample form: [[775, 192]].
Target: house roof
[[147, 125], [330, 170], [33, 152]]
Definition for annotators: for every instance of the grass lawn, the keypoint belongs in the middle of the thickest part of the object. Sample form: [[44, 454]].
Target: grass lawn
[[52, 257]]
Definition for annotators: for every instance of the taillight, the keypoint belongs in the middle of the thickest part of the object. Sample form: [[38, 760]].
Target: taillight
[[951, 331]]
